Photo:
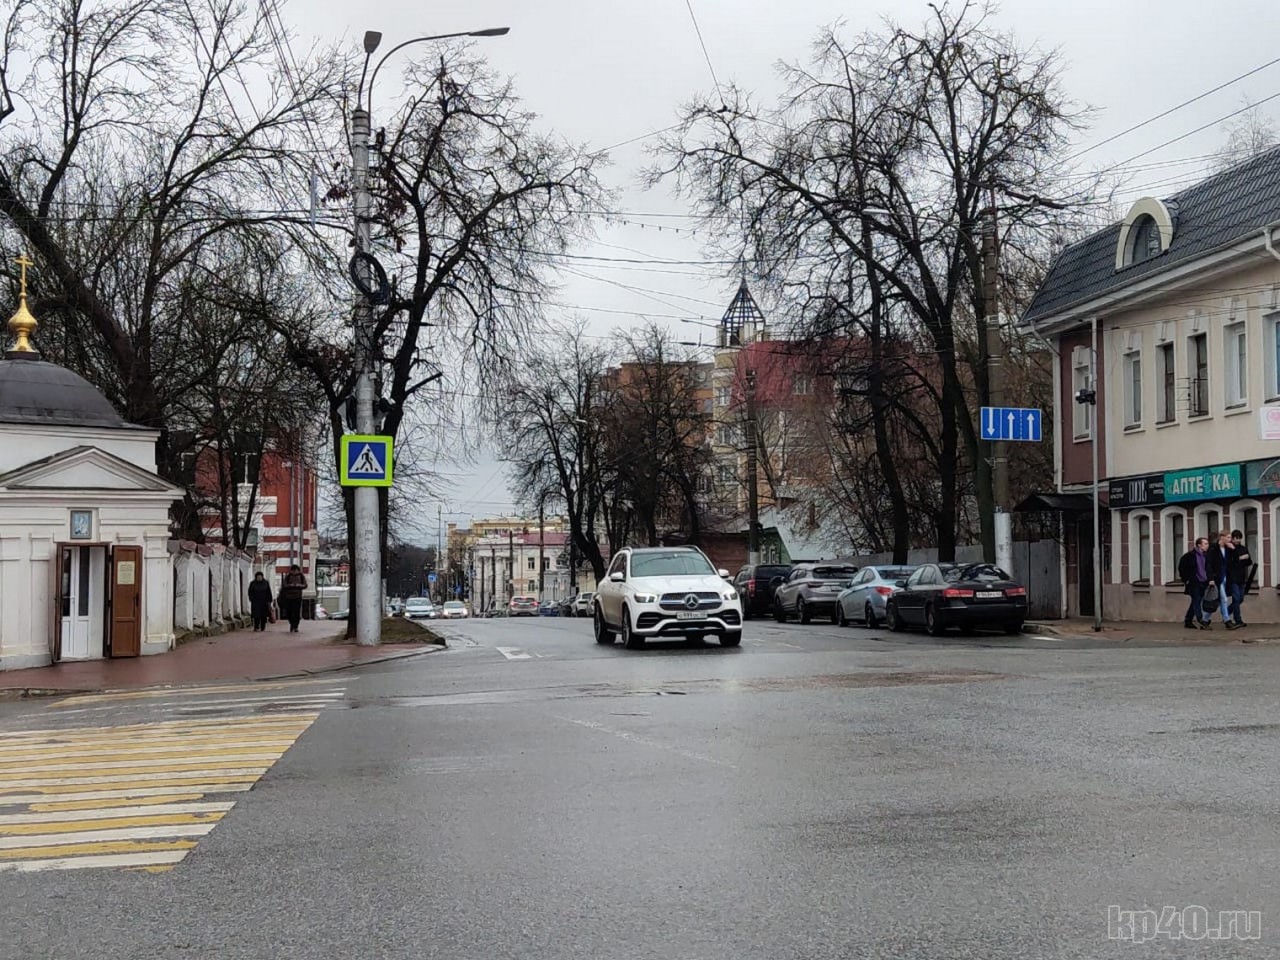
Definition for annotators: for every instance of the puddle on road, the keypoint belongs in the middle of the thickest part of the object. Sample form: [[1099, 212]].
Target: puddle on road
[[679, 688]]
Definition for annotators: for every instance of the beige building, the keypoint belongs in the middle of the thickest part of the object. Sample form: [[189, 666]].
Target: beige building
[[1184, 298]]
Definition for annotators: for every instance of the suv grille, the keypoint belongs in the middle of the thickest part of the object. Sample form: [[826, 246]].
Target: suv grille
[[678, 601]]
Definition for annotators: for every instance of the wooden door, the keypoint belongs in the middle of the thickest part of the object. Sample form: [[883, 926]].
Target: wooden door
[[126, 601]]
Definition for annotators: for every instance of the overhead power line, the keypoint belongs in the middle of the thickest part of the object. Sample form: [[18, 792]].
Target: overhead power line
[[1175, 109]]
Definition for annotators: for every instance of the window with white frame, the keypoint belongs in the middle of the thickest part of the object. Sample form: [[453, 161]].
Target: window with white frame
[[1235, 353], [1166, 384], [1173, 543], [1198, 373], [1140, 547], [724, 396], [1133, 389], [531, 563], [1208, 523], [1271, 329], [1081, 379], [1246, 517], [725, 473], [802, 385]]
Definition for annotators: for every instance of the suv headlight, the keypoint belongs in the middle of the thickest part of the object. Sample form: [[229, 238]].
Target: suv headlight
[[645, 598], [729, 595]]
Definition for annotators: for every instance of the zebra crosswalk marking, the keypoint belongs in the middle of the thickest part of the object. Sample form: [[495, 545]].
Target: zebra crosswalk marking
[[138, 796], [161, 692]]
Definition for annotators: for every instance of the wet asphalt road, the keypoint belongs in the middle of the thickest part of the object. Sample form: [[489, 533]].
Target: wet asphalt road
[[816, 793]]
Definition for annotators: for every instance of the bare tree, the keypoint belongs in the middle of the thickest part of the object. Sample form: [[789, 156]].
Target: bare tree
[[881, 163], [128, 168], [552, 428]]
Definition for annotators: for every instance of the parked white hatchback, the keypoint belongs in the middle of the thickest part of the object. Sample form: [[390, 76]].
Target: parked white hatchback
[[651, 592]]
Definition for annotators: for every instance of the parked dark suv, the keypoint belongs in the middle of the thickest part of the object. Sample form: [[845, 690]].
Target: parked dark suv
[[755, 587], [810, 590]]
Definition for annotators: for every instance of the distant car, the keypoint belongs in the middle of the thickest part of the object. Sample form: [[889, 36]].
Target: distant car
[[868, 594], [321, 613], [755, 586], [523, 607], [396, 607], [810, 590], [941, 595], [342, 614], [549, 608], [418, 608], [496, 611], [577, 606], [454, 610]]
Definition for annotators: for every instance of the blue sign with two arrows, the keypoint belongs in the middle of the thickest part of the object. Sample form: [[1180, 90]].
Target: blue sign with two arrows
[[1011, 423]]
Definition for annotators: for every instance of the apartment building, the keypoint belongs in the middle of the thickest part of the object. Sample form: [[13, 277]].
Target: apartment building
[[1182, 299]]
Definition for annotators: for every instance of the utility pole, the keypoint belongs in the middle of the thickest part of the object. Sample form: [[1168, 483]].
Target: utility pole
[[753, 493], [541, 548], [1003, 519], [367, 556], [439, 552], [511, 562], [493, 573]]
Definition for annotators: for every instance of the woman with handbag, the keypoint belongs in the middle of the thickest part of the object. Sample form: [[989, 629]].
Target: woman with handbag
[[260, 602]]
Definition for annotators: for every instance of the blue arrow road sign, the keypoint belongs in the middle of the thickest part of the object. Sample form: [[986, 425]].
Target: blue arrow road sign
[[1011, 423], [431, 578]]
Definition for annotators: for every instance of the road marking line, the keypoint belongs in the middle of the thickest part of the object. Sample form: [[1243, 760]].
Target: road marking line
[[184, 691], [104, 846], [646, 741], [513, 653], [112, 803], [129, 761], [95, 836], [221, 806], [177, 750], [154, 778], [86, 823], [160, 728], [80, 863], [201, 787]]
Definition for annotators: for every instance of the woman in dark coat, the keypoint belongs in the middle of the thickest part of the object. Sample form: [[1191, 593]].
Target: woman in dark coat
[[260, 601]]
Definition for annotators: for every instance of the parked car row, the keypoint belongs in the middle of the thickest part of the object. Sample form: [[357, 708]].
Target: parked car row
[[935, 596]]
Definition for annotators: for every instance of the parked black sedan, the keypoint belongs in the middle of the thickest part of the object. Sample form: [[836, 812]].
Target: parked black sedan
[[942, 595]]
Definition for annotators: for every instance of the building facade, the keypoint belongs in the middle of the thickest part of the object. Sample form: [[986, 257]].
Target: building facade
[[1171, 320], [507, 566]]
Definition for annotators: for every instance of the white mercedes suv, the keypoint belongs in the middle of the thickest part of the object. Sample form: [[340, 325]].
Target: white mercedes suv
[[665, 592]]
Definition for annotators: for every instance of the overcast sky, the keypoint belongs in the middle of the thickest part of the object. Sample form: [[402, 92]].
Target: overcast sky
[[603, 72]]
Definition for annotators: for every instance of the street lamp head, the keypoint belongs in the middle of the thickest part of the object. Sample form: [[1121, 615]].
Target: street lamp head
[[371, 40], [490, 32]]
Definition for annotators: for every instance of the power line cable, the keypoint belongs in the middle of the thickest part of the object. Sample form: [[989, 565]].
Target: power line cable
[[701, 42], [1175, 109]]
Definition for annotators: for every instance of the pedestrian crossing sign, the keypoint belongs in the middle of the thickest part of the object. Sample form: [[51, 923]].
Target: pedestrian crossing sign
[[366, 461]]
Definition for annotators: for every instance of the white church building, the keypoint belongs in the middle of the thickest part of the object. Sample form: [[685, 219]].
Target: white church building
[[85, 569]]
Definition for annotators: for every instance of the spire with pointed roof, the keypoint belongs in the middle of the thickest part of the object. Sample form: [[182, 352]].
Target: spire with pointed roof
[[22, 324], [743, 321]]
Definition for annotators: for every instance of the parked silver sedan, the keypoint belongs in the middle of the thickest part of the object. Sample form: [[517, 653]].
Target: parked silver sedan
[[865, 597]]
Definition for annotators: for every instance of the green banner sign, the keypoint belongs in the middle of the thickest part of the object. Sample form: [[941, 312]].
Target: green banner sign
[[1204, 483]]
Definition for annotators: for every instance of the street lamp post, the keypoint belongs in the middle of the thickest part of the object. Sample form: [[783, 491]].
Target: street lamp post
[[367, 552]]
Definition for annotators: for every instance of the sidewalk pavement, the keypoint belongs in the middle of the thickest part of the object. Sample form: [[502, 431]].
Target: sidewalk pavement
[[238, 655], [1153, 632]]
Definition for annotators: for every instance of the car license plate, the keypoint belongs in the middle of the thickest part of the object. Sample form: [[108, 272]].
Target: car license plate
[[990, 594], [689, 615]]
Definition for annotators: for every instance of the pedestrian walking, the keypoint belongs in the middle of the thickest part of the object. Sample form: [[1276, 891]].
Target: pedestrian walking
[[1193, 570], [291, 596], [1219, 569], [1240, 574], [260, 602]]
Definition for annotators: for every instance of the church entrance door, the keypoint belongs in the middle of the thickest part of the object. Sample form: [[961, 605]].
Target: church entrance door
[[81, 600]]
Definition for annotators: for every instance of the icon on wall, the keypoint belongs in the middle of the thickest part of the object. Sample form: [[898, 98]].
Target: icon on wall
[[81, 524]]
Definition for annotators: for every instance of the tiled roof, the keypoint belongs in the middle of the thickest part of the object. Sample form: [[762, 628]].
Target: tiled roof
[[1211, 214]]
